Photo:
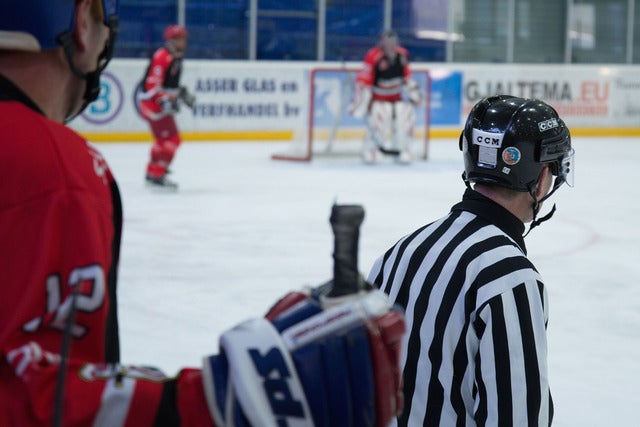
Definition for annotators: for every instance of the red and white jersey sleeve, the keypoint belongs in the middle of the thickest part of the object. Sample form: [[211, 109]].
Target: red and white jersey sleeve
[[366, 76], [157, 73], [385, 77], [60, 232]]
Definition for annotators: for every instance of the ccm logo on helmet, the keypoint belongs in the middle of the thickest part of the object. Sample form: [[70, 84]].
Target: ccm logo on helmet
[[487, 139], [548, 124]]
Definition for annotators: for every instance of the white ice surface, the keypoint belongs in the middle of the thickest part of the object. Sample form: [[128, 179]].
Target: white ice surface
[[244, 229]]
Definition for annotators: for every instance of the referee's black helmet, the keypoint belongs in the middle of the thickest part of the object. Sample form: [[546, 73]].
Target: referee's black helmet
[[507, 140]]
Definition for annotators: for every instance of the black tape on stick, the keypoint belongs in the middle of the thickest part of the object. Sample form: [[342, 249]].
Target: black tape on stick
[[345, 221]]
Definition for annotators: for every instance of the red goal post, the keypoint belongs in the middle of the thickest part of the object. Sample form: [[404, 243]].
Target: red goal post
[[330, 131]]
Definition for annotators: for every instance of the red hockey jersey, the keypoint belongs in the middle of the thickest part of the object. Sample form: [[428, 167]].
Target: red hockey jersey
[[60, 225], [161, 81], [385, 77]]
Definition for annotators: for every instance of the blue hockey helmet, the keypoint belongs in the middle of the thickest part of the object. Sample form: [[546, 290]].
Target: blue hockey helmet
[[38, 24]]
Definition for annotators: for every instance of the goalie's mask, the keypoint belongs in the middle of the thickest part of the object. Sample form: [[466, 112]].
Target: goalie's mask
[[507, 141], [389, 43], [35, 25]]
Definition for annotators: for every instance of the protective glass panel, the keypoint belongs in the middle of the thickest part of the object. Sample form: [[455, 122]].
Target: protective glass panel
[[598, 31]]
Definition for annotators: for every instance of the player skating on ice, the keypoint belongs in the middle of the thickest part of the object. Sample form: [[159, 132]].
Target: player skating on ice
[[318, 359], [378, 97], [159, 99], [475, 353]]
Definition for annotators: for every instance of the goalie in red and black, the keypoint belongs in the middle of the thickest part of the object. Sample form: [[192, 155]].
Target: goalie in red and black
[[386, 95], [158, 99]]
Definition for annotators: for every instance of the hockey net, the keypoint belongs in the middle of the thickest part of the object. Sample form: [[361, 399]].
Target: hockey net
[[330, 131]]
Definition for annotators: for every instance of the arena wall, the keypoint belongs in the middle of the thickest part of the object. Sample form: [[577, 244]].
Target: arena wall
[[262, 101]]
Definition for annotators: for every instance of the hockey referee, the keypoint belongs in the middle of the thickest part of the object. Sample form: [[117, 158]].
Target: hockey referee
[[475, 352]]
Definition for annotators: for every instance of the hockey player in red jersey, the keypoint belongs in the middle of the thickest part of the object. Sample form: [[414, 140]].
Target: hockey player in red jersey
[[160, 100], [60, 233], [378, 96]]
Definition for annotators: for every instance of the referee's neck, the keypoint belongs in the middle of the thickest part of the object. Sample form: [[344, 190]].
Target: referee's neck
[[517, 202]]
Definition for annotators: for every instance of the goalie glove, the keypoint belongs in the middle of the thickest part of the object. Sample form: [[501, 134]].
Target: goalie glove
[[186, 97], [412, 89], [360, 101], [311, 362]]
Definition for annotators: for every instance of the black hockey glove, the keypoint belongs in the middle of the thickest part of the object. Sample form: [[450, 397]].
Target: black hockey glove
[[186, 97], [170, 106]]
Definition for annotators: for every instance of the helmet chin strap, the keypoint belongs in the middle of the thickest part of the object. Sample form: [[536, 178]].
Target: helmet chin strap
[[92, 78], [466, 181], [537, 222], [536, 206], [536, 203]]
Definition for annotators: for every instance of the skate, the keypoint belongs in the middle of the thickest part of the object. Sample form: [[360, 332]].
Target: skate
[[369, 156], [161, 183], [404, 158]]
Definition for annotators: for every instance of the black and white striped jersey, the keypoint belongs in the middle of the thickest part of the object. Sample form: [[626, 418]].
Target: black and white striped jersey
[[475, 352]]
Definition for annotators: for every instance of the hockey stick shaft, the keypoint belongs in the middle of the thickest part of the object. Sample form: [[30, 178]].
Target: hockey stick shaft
[[345, 221], [58, 409]]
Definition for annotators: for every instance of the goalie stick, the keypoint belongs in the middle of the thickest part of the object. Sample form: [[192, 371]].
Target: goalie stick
[[382, 148]]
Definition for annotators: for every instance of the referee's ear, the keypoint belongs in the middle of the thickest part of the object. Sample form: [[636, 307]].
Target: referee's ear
[[544, 182]]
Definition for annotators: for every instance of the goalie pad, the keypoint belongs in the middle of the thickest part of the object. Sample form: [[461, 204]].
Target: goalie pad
[[380, 124], [405, 120], [390, 128], [360, 101]]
